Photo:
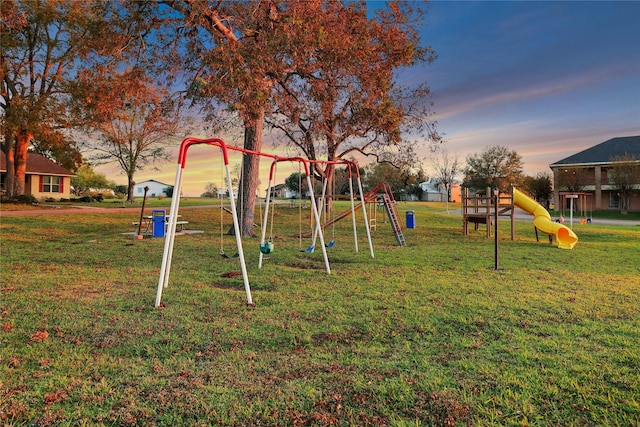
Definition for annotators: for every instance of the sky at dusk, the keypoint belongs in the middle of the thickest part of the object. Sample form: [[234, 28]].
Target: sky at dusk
[[546, 79]]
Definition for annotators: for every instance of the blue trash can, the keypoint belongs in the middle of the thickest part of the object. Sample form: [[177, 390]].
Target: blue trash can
[[411, 219], [158, 218]]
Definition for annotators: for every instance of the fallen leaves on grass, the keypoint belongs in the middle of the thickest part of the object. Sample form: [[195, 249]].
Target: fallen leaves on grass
[[231, 273], [39, 336], [56, 396]]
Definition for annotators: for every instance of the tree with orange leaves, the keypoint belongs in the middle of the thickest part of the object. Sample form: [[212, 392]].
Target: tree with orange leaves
[[44, 44]]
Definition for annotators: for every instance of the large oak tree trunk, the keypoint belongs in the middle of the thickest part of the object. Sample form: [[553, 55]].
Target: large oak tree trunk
[[130, 185], [23, 139], [250, 174], [9, 151]]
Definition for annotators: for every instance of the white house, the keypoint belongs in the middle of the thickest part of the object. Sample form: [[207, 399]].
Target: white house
[[433, 191], [156, 188], [282, 191]]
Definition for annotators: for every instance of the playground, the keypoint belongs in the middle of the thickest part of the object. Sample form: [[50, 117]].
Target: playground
[[425, 334], [476, 209]]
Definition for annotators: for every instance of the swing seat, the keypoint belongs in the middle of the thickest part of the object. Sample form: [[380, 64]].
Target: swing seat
[[266, 248], [310, 249], [330, 244], [223, 255]]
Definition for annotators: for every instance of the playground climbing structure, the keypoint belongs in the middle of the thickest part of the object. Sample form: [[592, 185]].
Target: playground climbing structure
[[481, 209], [382, 193]]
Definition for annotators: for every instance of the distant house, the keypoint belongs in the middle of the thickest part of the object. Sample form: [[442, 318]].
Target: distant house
[[44, 179], [433, 191], [592, 172], [282, 191], [156, 188]]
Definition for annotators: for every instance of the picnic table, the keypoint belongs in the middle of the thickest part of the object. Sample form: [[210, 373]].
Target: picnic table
[[147, 223]]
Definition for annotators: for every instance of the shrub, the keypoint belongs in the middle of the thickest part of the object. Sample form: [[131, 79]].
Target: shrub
[[85, 199], [27, 199]]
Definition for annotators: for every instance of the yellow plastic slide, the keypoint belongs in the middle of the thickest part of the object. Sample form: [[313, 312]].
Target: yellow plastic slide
[[565, 237]]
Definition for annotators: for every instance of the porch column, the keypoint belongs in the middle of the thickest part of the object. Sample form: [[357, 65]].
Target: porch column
[[556, 189], [598, 190]]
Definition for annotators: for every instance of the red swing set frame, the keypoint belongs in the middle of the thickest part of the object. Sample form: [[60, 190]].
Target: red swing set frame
[[163, 280]]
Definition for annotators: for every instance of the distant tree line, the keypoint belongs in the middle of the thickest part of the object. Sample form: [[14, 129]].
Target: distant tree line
[[495, 167]]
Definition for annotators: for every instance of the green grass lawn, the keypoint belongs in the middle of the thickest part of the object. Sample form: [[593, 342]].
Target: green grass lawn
[[425, 335]]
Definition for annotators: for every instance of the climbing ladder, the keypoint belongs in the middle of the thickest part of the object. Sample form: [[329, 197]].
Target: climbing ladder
[[381, 193], [392, 211]]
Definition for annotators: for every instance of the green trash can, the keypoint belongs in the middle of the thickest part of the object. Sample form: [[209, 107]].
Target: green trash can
[[411, 219]]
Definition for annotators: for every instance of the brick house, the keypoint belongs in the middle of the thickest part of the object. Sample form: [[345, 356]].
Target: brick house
[[593, 173], [44, 179]]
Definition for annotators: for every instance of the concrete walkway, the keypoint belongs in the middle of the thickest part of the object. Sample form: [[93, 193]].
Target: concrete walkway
[[521, 215]]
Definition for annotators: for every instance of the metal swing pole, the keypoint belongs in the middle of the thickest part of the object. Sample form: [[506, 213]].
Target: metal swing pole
[[353, 211], [320, 209], [314, 207], [364, 211], [236, 228], [163, 280]]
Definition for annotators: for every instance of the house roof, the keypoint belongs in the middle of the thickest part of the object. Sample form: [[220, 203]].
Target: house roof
[[38, 165], [150, 181], [603, 152]]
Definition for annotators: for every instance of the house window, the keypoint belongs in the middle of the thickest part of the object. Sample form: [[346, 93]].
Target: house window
[[51, 184], [139, 190], [614, 201]]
